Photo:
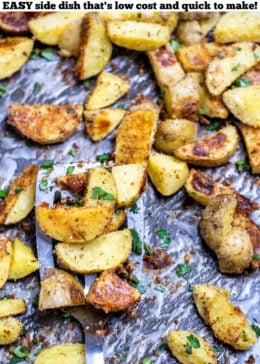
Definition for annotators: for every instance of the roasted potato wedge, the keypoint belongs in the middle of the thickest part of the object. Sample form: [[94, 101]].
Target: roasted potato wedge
[[210, 151], [112, 293], [46, 124], [60, 289], [20, 199], [167, 173], [23, 261], [238, 27], [118, 219], [229, 323], [73, 224], [100, 123], [12, 307], [182, 100], [76, 183], [181, 349], [14, 52], [10, 330], [243, 102], [137, 35], [73, 353], [135, 136], [229, 64], [130, 182], [108, 89], [189, 32], [15, 22], [228, 234], [172, 134], [106, 252], [167, 70], [48, 28], [95, 47], [5, 259], [212, 106], [69, 41], [251, 136]]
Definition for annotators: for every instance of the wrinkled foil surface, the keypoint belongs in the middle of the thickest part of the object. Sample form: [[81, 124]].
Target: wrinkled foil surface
[[133, 334]]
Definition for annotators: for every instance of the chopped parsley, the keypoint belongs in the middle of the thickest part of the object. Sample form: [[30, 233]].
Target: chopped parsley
[[165, 236], [139, 15], [162, 345], [102, 158], [35, 301], [256, 329], [214, 124], [47, 53], [121, 106], [137, 284], [256, 56], [243, 82], [235, 68], [134, 208], [18, 190], [89, 120], [67, 314], [239, 49], [21, 352], [123, 354], [137, 243], [72, 152], [244, 337], [193, 343], [175, 45], [217, 349], [71, 111], [159, 288], [47, 165], [36, 88], [3, 90], [256, 256], [43, 186], [5, 297], [242, 165], [35, 54], [99, 194], [147, 361], [70, 170], [201, 112], [86, 83], [3, 193], [183, 270], [147, 249]]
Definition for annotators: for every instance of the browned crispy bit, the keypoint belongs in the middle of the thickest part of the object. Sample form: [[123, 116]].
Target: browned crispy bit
[[76, 183], [15, 22], [111, 293], [158, 259]]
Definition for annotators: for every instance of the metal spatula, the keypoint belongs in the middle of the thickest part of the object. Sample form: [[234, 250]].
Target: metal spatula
[[87, 315]]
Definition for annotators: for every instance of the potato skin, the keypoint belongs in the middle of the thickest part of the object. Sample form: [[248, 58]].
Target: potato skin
[[251, 136], [10, 330]]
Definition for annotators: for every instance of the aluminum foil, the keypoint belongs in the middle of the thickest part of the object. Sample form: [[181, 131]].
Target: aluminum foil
[[134, 334]]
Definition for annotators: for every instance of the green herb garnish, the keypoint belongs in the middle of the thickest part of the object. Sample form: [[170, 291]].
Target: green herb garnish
[[35, 54], [162, 345], [147, 361], [239, 49], [139, 15], [67, 314], [47, 165], [235, 68], [256, 56], [147, 249], [242, 165], [256, 329], [18, 190], [121, 106], [217, 349], [183, 270], [244, 337], [159, 288], [5, 297], [137, 284], [72, 152], [165, 236], [36, 88], [193, 342], [137, 243], [3, 90], [47, 53], [3, 193], [175, 45], [70, 170], [243, 82], [21, 352], [134, 208], [43, 186], [256, 256], [201, 112], [35, 301], [214, 124], [86, 83], [71, 111], [99, 194], [102, 158]]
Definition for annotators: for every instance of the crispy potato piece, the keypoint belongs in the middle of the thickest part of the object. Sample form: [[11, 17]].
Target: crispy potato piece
[[137, 35], [118, 219], [76, 183], [23, 261], [178, 342], [106, 252], [15, 22], [20, 199], [73, 224], [229, 323], [165, 66], [182, 100], [95, 47], [143, 103], [238, 27], [207, 25], [10, 330], [223, 231], [100, 123], [60, 289], [211, 151], [111, 293], [108, 89], [202, 188], [243, 102], [189, 32], [46, 124], [12, 307], [69, 42], [130, 181], [135, 137], [5, 259], [251, 138], [14, 52], [212, 106], [172, 134], [167, 173], [49, 27], [230, 64], [72, 353]]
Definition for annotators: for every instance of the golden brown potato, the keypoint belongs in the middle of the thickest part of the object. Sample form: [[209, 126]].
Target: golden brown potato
[[189, 32], [14, 52], [229, 323], [5, 259], [229, 64], [95, 47], [182, 100], [172, 134], [211, 151], [15, 22], [20, 199], [60, 289], [212, 106], [130, 181], [238, 27], [23, 261], [137, 35], [180, 346], [111, 293], [69, 42], [251, 136], [106, 252], [76, 183], [167, 173], [202, 188], [108, 89], [135, 137], [72, 353], [100, 123], [73, 224], [12, 307], [10, 330], [244, 104], [49, 27], [142, 102], [227, 233], [46, 124]]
